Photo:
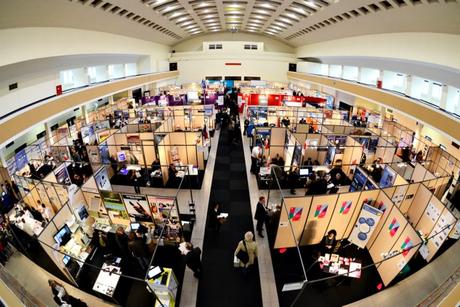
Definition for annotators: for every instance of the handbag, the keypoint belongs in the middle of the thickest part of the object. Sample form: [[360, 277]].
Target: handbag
[[243, 255]]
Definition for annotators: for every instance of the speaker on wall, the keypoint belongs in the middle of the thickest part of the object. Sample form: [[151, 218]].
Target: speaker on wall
[[293, 67], [172, 66]]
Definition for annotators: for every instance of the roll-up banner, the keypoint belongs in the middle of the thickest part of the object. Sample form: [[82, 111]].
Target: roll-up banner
[[368, 219]]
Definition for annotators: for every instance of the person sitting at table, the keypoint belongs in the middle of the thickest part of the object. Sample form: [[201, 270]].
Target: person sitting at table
[[280, 161], [156, 165], [172, 173], [113, 163], [286, 122], [316, 185], [302, 121], [377, 170], [328, 242]]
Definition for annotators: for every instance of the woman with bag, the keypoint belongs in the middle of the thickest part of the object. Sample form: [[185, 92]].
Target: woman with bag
[[246, 251]]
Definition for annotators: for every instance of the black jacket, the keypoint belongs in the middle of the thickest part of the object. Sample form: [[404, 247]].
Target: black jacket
[[261, 213], [192, 259]]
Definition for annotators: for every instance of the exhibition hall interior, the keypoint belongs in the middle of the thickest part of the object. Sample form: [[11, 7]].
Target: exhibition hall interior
[[229, 153]]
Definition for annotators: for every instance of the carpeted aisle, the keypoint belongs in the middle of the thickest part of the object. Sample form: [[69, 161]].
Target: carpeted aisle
[[221, 284]]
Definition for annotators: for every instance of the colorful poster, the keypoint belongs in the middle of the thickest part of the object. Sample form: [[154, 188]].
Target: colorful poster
[[115, 208], [138, 208], [295, 213], [368, 219], [406, 246], [394, 226], [346, 206], [321, 211], [162, 207]]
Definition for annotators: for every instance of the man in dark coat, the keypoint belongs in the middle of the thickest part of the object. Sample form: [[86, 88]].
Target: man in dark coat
[[261, 215], [193, 259]]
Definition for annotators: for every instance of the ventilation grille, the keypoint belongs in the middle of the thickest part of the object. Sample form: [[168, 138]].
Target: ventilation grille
[[362, 11], [121, 12]]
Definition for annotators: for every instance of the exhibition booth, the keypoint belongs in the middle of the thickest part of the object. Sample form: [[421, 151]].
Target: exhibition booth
[[80, 237], [384, 230]]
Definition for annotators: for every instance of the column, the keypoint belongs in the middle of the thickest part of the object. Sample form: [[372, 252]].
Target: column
[[408, 89], [84, 113], [48, 134], [443, 101], [359, 74]]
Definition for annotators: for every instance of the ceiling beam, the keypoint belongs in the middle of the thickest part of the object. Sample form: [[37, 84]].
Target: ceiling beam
[[220, 10], [189, 9], [281, 9], [247, 13]]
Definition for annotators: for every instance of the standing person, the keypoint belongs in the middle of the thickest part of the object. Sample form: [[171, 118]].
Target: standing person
[[61, 296], [293, 178], [261, 215], [248, 246], [136, 183], [121, 239], [213, 220], [256, 152], [193, 259], [137, 249], [45, 211]]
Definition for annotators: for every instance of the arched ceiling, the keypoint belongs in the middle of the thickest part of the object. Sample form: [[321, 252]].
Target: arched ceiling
[[296, 22]]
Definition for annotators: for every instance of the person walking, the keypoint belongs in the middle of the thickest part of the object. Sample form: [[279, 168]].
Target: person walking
[[246, 251], [61, 296], [213, 220], [193, 259], [261, 215]]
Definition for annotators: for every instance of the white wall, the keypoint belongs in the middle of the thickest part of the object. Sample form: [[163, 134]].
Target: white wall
[[369, 75], [453, 100], [23, 44], [34, 88], [394, 81], [335, 71], [436, 48], [196, 43], [34, 58], [350, 73], [196, 70]]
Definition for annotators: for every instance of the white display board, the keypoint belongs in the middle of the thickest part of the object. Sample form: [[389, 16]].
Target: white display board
[[367, 221]]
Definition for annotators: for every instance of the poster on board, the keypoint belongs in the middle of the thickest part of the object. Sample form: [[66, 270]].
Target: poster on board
[[102, 179], [62, 176], [368, 219], [138, 208], [162, 206], [115, 208]]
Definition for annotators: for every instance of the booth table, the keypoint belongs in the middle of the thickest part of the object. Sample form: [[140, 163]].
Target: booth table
[[337, 265], [108, 278]]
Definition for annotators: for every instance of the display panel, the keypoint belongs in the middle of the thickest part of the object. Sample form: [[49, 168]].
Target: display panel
[[365, 225], [388, 177], [63, 235]]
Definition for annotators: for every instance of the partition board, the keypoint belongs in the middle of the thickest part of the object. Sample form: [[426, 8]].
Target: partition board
[[430, 215], [341, 218], [418, 205], [409, 197], [365, 197], [419, 173], [390, 268], [388, 234], [440, 232], [277, 138], [383, 203], [295, 209], [322, 208]]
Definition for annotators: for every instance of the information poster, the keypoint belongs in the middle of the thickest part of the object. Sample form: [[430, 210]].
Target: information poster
[[62, 176], [163, 205], [432, 212], [115, 208], [442, 229], [368, 219], [102, 179], [138, 208]]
